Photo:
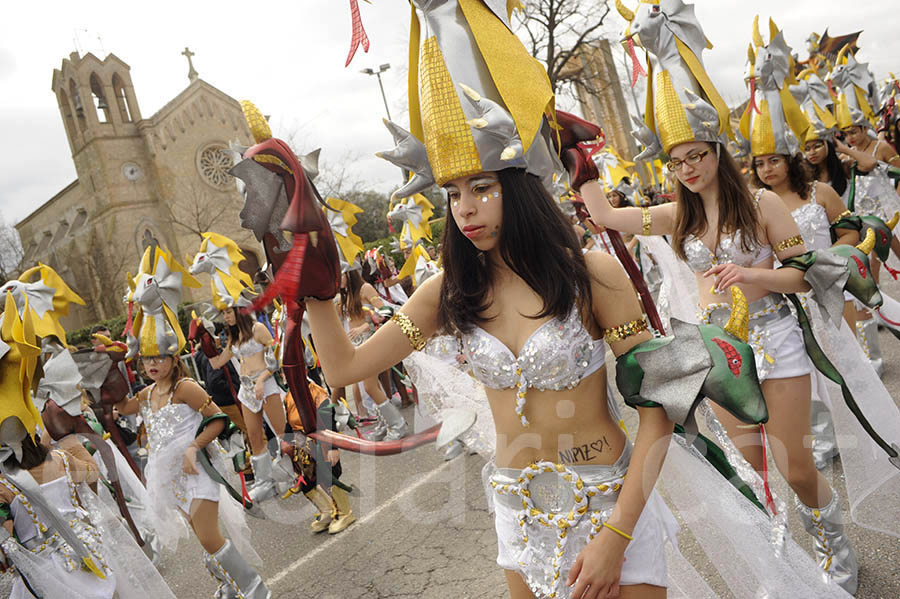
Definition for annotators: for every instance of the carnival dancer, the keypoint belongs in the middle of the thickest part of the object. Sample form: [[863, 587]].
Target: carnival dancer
[[252, 344], [183, 424], [875, 194], [729, 236], [813, 205], [529, 317], [358, 301], [66, 542]]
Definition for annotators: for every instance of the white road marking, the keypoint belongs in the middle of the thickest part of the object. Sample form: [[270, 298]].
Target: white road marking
[[309, 556]]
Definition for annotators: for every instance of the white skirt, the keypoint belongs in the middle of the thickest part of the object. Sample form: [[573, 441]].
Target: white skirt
[[535, 558]]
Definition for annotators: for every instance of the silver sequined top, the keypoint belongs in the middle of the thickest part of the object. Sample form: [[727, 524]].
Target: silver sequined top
[[557, 356], [172, 424], [247, 348], [813, 223], [701, 259]]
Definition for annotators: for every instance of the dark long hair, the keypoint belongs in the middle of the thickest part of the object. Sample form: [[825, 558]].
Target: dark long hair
[[834, 168], [737, 210], [536, 242], [351, 300], [242, 330], [799, 175]]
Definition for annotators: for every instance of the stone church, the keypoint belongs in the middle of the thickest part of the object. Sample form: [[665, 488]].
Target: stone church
[[162, 177]]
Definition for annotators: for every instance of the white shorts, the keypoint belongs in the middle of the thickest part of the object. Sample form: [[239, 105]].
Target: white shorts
[[247, 392], [645, 556]]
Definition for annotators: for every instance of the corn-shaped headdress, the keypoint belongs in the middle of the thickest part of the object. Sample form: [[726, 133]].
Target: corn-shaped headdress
[[219, 257], [478, 100], [341, 217], [683, 105], [415, 212], [853, 84], [773, 121], [152, 328], [814, 98]]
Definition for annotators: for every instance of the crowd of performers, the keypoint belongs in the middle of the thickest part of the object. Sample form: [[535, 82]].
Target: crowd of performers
[[762, 247]]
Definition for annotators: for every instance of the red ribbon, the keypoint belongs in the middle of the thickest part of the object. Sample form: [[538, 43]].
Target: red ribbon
[[359, 36], [770, 501]]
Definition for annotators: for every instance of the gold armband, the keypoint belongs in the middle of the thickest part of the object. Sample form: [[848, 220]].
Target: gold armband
[[205, 404], [840, 216], [646, 220], [412, 332], [624, 331], [788, 243]]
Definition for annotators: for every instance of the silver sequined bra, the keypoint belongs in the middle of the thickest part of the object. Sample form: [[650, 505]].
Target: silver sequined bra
[[812, 220], [557, 356], [700, 259], [247, 348]]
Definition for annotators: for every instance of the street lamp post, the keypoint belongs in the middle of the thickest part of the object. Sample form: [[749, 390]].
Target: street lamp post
[[381, 69]]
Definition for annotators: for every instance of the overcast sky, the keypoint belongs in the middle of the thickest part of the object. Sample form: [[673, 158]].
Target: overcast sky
[[289, 57]]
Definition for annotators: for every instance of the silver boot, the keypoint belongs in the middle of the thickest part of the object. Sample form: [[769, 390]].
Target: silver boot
[[833, 551], [263, 480], [824, 445], [867, 332], [380, 429], [236, 577], [396, 423]]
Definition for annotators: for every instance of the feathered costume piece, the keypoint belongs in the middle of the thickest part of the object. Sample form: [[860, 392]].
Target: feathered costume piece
[[152, 328], [219, 257]]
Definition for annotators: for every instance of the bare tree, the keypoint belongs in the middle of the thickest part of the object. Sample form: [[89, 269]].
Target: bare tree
[[11, 252], [560, 33], [106, 269], [197, 208]]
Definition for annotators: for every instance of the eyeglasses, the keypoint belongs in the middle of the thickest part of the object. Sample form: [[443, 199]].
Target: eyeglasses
[[154, 359], [814, 146], [692, 160]]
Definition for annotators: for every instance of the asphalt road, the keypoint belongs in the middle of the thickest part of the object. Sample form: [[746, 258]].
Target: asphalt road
[[424, 532]]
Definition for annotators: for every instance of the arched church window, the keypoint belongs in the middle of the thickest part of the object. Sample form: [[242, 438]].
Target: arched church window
[[121, 99], [213, 163], [68, 118], [100, 103]]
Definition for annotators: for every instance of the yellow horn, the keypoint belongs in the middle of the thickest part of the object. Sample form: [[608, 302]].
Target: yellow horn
[[738, 323], [751, 56], [868, 244], [757, 37], [893, 222], [804, 74], [773, 29], [627, 14], [841, 55]]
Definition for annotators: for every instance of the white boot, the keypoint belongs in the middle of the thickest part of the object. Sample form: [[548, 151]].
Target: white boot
[[832, 548], [824, 446], [867, 332], [263, 480], [396, 423], [236, 577]]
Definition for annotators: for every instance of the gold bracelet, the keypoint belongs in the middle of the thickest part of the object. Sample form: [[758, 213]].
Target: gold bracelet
[[617, 531], [788, 243], [624, 331], [840, 216], [646, 220], [412, 332]]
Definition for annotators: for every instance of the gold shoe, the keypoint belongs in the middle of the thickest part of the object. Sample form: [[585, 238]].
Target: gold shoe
[[343, 516], [327, 509]]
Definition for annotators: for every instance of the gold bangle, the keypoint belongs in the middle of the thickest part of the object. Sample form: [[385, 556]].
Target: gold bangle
[[788, 243], [624, 331], [646, 220], [617, 531], [840, 216], [412, 332]]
